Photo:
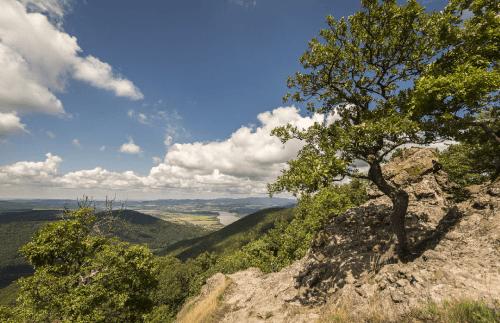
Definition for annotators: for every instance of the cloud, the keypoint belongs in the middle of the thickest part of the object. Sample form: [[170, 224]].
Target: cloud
[[75, 142], [54, 8], [100, 75], [20, 91], [102, 148], [130, 147], [157, 160], [99, 177], [50, 134], [168, 119], [38, 58], [240, 164], [10, 124], [244, 3], [249, 152], [33, 173], [168, 140]]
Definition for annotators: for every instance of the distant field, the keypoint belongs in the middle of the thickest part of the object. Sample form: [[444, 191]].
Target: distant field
[[205, 219]]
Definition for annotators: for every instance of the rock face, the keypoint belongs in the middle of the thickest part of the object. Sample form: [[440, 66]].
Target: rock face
[[456, 254], [360, 241]]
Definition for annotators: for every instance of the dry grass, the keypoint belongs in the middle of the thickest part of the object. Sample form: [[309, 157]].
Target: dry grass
[[206, 308], [375, 311], [456, 311]]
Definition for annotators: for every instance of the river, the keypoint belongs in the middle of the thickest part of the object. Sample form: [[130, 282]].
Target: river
[[226, 218]]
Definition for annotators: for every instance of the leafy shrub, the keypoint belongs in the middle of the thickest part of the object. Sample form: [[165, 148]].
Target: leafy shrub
[[468, 164], [288, 242], [84, 277], [177, 281]]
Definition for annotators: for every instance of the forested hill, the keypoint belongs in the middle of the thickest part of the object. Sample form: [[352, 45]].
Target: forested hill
[[137, 227], [231, 237], [18, 227]]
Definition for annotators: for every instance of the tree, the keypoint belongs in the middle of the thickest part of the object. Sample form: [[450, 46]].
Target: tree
[[457, 96], [360, 75], [83, 277], [468, 164]]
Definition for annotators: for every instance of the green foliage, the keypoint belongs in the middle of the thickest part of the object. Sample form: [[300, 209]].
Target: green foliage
[[362, 72], [18, 227], [83, 277], [467, 164], [177, 281], [231, 237], [8, 294], [457, 96], [464, 81]]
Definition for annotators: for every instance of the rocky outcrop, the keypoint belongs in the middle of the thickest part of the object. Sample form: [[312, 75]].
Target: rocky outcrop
[[455, 254], [459, 258], [360, 241]]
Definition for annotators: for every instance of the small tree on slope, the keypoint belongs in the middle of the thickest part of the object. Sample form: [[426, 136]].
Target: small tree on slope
[[362, 72]]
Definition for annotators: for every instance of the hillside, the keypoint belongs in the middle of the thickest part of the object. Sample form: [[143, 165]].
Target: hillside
[[17, 228], [140, 228], [351, 273], [232, 236]]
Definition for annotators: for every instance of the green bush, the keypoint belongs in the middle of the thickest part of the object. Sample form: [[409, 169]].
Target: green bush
[[83, 277], [469, 164], [288, 242]]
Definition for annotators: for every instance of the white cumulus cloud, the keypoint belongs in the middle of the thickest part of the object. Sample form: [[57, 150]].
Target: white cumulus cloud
[[130, 147], [10, 123], [240, 164], [31, 172], [38, 57], [100, 74]]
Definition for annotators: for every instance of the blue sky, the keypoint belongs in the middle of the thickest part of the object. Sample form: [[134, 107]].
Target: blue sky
[[204, 68]]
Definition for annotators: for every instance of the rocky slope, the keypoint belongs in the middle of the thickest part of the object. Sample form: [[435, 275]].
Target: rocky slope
[[352, 264]]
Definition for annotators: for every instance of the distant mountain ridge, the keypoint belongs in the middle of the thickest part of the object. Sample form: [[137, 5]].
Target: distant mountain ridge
[[27, 204]]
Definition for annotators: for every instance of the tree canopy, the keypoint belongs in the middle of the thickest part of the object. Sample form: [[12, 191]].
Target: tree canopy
[[388, 76], [457, 96], [83, 277], [360, 74]]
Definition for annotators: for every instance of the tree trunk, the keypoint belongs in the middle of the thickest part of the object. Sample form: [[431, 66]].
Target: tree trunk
[[399, 199], [399, 207]]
